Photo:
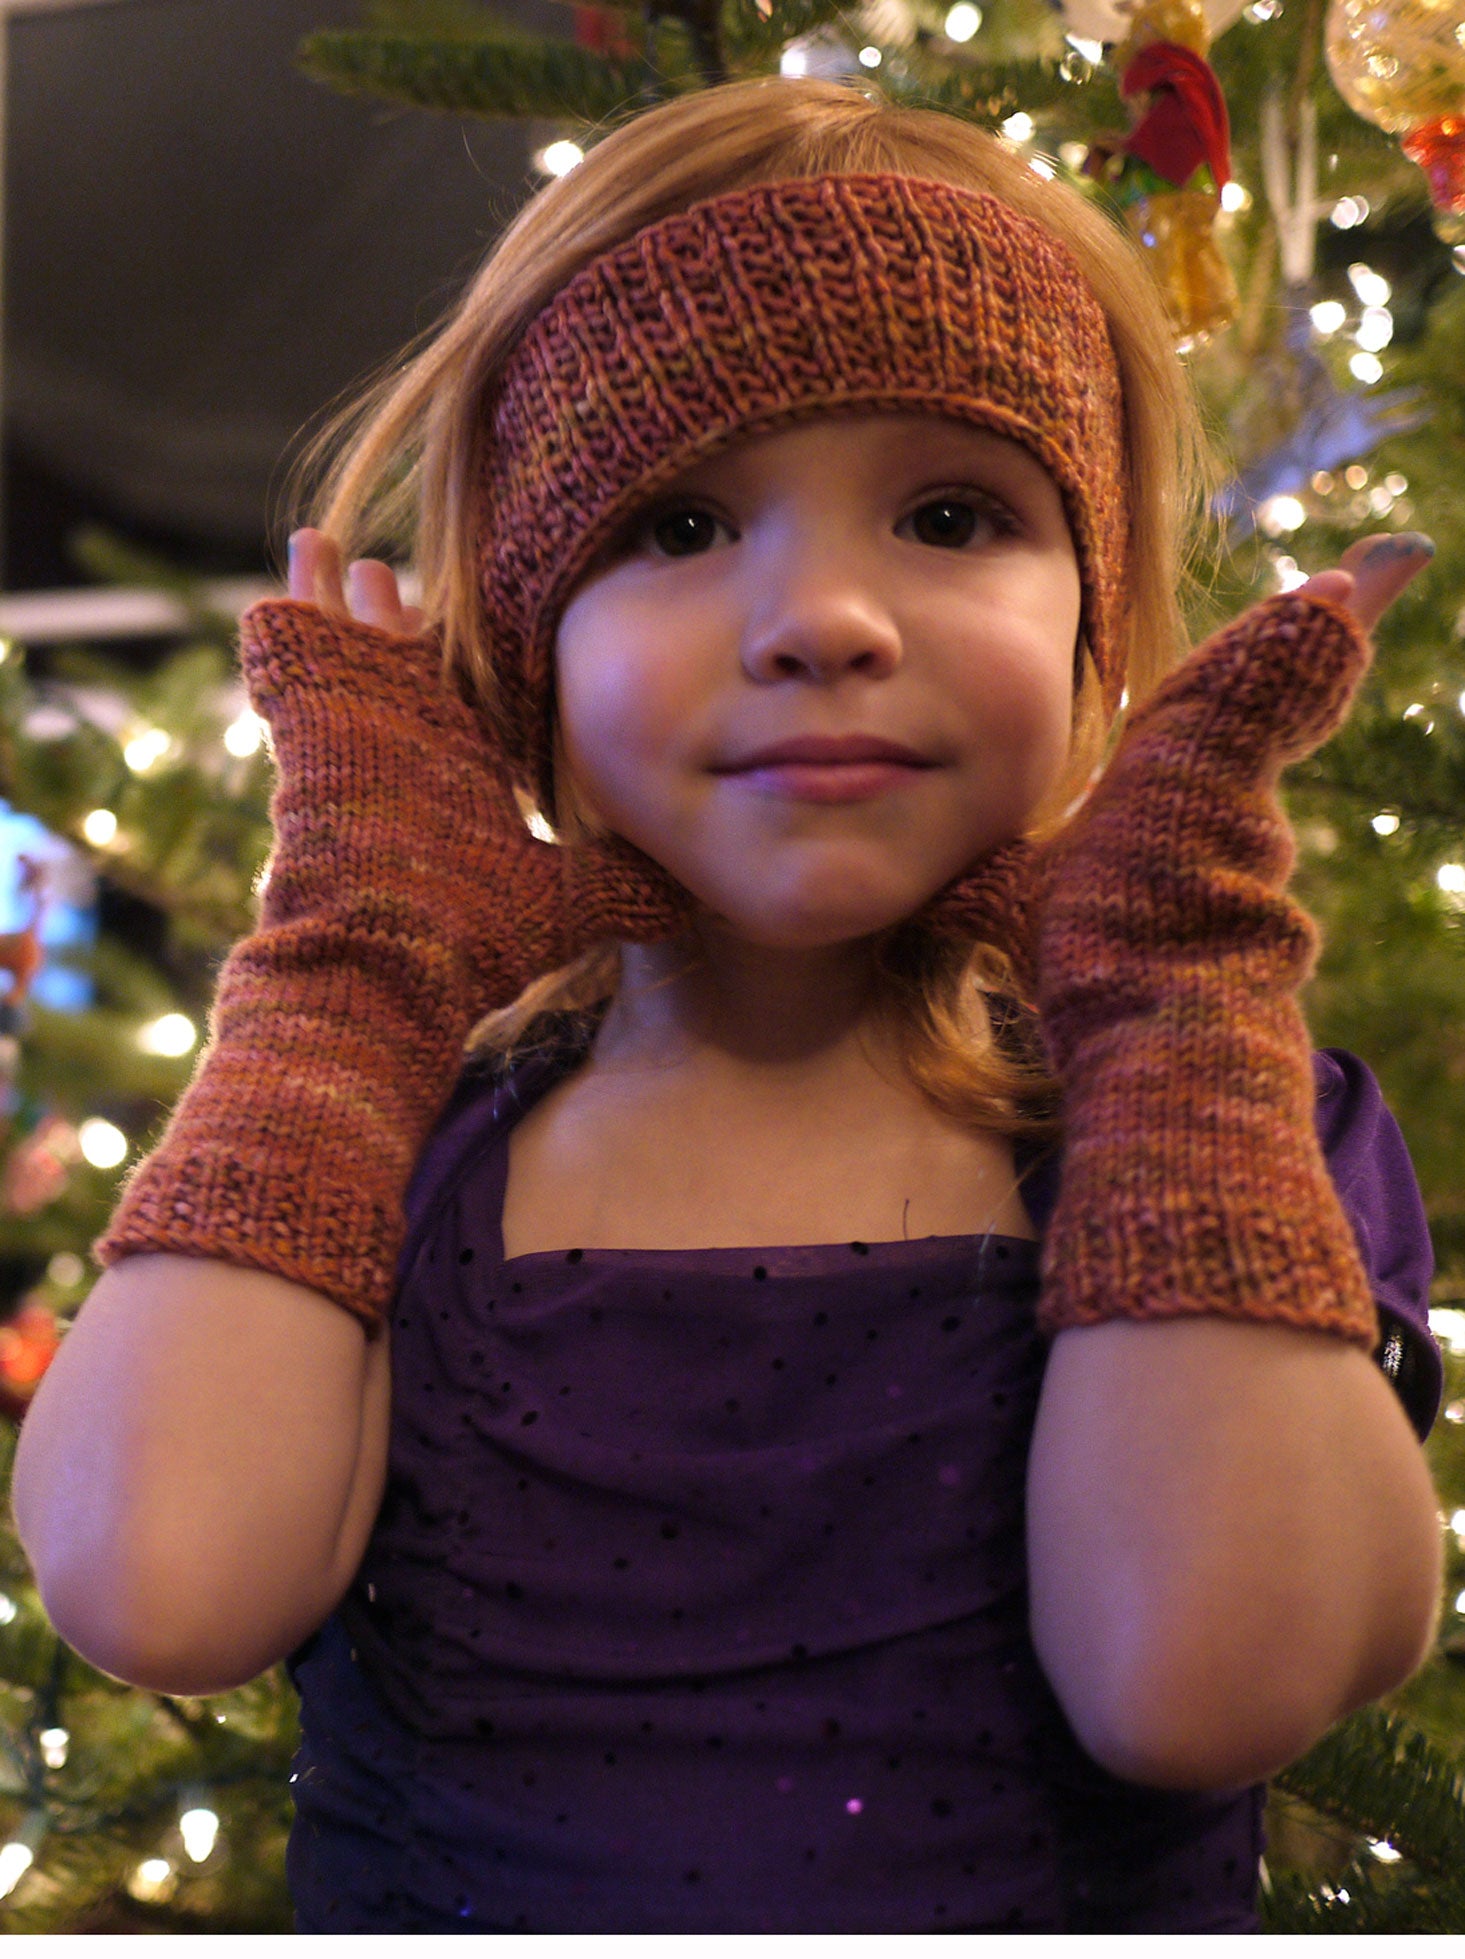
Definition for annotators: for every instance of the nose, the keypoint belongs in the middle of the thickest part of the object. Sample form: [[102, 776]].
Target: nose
[[818, 615]]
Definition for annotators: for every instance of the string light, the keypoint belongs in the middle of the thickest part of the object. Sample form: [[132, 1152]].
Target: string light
[[1328, 315], [1372, 287], [8, 1608], [153, 1882], [1386, 823], [102, 1143], [17, 1856], [1376, 329], [1019, 128], [170, 1034], [99, 828], [54, 1743], [1447, 1324], [199, 1829], [1281, 514], [1367, 368], [1385, 1852], [559, 159], [1349, 212], [146, 749], [1235, 197], [869, 57], [962, 21], [245, 735]]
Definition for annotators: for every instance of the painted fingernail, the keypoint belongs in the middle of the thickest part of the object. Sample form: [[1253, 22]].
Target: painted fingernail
[[1407, 544]]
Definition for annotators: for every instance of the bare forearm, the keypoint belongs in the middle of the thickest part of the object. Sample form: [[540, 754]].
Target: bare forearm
[[200, 1469], [1233, 1541]]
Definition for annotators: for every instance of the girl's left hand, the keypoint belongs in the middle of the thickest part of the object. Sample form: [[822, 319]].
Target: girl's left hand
[[1372, 574], [1002, 897]]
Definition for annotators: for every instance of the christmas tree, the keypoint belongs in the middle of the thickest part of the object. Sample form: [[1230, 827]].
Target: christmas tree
[[1313, 269]]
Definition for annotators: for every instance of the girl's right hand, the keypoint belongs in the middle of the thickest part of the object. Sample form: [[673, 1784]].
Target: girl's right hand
[[369, 592], [523, 907]]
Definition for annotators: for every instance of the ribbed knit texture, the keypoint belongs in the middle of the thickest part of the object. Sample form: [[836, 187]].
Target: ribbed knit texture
[[767, 306], [405, 899], [1169, 960]]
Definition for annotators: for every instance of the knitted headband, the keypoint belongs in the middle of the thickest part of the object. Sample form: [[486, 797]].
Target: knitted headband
[[767, 306]]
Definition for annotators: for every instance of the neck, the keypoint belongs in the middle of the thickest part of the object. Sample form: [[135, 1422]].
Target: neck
[[712, 999]]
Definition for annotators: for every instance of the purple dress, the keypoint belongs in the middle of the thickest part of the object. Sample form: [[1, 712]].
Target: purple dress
[[697, 1601]]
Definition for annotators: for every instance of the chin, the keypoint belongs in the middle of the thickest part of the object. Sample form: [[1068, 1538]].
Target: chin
[[811, 926]]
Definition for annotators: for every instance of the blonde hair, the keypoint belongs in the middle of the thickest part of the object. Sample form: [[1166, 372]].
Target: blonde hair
[[404, 459]]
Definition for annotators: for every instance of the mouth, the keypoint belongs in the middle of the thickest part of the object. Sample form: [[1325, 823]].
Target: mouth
[[828, 768]]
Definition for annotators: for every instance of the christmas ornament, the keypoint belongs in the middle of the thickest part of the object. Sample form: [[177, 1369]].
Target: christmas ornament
[[28, 1343], [39, 1165], [1168, 172], [603, 31], [1401, 64], [1109, 21]]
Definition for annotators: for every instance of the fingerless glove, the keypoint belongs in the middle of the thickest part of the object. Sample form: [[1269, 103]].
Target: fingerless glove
[[1169, 960], [404, 900]]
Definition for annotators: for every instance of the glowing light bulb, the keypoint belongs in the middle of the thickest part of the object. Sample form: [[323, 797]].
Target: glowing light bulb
[[1372, 288], [559, 159], [1375, 329], [15, 1860], [962, 21], [1386, 823], [246, 735], [1281, 514], [146, 749], [54, 1743], [102, 1143], [1447, 1324], [1367, 368], [199, 1829], [1349, 212], [171, 1034], [1328, 315], [99, 828], [1235, 197], [1019, 128]]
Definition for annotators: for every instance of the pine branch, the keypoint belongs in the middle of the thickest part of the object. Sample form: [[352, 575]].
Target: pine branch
[[555, 80], [1387, 1780]]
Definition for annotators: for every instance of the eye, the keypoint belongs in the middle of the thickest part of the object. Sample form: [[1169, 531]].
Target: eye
[[950, 522], [676, 531]]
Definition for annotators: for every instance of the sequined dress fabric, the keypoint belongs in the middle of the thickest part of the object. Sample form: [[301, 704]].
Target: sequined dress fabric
[[697, 1600]]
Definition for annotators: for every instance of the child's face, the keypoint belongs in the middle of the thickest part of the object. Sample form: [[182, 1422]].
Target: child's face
[[905, 577]]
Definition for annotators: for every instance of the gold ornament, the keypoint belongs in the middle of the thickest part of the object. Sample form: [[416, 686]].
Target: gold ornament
[[1401, 64], [1167, 172]]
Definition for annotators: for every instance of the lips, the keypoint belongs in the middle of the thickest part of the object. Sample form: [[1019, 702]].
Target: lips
[[828, 751], [827, 769]]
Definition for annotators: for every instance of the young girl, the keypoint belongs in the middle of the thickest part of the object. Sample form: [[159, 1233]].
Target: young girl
[[893, 1321]]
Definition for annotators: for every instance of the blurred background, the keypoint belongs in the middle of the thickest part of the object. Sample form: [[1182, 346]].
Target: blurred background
[[202, 249]]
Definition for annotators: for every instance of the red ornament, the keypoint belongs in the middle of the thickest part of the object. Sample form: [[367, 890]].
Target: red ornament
[[1438, 147], [28, 1343]]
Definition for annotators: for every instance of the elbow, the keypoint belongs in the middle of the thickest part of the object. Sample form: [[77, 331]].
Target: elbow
[[173, 1633], [1201, 1714]]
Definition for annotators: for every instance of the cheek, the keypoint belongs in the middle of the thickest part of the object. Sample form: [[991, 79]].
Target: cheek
[[616, 715]]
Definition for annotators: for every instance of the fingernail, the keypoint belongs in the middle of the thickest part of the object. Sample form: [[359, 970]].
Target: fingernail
[[1407, 544]]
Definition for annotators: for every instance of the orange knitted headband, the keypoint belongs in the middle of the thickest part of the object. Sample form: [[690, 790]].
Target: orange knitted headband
[[762, 307]]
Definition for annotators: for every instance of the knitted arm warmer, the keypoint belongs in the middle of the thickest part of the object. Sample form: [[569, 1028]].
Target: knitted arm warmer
[[405, 899], [1169, 960]]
